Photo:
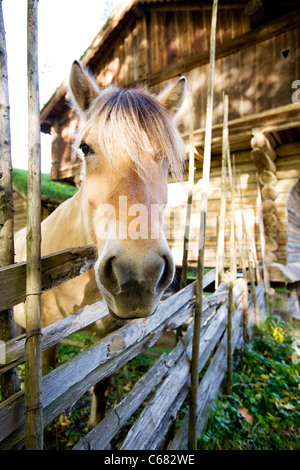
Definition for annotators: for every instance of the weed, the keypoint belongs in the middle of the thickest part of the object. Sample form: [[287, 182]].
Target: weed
[[262, 412]]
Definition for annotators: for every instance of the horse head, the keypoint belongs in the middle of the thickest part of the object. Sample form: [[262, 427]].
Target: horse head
[[129, 143]]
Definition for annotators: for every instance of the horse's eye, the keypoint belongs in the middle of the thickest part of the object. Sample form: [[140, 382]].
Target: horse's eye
[[86, 149]]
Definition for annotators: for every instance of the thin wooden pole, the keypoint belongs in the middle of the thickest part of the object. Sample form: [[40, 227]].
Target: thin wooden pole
[[190, 196], [221, 226], [232, 274], [10, 379], [262, 240], [252, 284], [33, 361], [192, 434], [243, 262]]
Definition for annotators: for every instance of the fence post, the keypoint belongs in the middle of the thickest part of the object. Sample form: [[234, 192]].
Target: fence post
[[221, 226], [186, 238], [33, 362], [192, 435], [232, 279], [9, 380]]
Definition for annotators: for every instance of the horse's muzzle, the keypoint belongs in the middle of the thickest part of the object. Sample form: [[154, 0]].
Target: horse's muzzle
[[133, 285]]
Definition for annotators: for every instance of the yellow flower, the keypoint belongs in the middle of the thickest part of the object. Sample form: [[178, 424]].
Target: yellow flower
[[278, 333]]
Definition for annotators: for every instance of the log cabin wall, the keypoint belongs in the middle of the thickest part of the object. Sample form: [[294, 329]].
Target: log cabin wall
[[281, 220], [152, 43]]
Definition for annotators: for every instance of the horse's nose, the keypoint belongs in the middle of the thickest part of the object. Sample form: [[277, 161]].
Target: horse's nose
[[133, 285], [155, 273]]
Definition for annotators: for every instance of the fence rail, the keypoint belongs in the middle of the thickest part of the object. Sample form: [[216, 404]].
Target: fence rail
[[56, 269], [63, 386]]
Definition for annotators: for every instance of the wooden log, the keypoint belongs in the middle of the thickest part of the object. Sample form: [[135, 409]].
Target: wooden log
[[262, 161], [255, 11], [271, 244], [9, 382], [269, 192], [268, 207], [267, 177], [270, 220], [271, 232], [261, 142], [33, 356]]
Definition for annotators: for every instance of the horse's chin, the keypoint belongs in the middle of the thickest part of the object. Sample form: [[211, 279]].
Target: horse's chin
[[132, 315]]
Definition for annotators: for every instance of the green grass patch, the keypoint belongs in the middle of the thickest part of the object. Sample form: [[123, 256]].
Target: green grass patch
[[262, 412], [58, 192]]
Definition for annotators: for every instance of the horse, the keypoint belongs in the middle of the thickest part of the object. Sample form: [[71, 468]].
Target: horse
[[128, 142]]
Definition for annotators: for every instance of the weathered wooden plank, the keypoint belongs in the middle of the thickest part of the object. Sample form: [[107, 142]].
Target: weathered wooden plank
[[176, 380], [56, 269], [101, 435], [209, 385], [135, 332], [53, 334]]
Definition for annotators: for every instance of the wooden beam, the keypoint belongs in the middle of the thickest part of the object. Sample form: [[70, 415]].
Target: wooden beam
[[261, 142], [272, 120], [262, 161], [55, 269]]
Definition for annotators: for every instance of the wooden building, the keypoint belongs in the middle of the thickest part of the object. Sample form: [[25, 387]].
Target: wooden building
[[257, 65]]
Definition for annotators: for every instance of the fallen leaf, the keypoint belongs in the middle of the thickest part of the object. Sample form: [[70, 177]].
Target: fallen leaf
[[245, 415], [287, 406]]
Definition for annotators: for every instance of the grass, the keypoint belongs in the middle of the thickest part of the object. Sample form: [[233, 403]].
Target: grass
[[58, 192], [262, 412]]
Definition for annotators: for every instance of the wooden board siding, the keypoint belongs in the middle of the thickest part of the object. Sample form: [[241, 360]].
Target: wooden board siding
[[287, 174], [20, 211], [254, 72]]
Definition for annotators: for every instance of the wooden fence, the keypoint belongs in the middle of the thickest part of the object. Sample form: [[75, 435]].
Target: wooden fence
[[169, 376], [166, 383]]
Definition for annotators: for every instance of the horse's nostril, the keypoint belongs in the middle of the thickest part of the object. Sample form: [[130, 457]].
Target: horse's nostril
[[167, 275], [106, 272]]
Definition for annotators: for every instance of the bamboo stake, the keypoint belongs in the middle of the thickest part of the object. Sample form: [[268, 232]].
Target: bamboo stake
[[190, 196], [244, 267], [192, 434], [33, 362], [9, 380], [256, 309], [245, 292], [232, 269], [262, 240], [221, 226]]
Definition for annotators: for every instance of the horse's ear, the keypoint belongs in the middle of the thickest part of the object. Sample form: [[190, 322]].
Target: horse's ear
[[82, 87], [172, 97]]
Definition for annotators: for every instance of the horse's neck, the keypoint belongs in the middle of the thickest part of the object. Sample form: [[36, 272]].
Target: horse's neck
[[68, 226]]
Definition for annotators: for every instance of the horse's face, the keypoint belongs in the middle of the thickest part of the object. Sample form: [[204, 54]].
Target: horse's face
[[125, 189]]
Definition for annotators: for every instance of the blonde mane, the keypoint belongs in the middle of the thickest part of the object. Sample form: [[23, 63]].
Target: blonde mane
[[132, 123]]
